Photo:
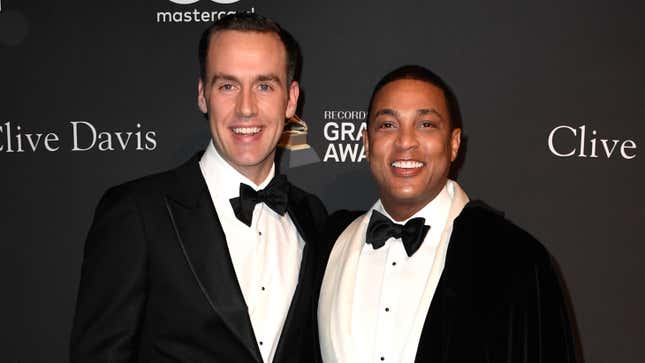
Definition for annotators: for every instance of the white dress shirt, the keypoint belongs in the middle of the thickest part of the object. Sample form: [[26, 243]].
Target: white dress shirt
[[390, 285], [266, 256]]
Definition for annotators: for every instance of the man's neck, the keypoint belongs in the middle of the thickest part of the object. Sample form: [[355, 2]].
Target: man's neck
[[400, 210], [256, 174]]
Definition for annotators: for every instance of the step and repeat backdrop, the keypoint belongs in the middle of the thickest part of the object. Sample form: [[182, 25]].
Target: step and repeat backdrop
[[96, 93]]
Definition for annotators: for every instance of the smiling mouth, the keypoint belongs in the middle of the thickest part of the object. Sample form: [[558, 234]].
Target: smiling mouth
[[407, 164], [247, 131]]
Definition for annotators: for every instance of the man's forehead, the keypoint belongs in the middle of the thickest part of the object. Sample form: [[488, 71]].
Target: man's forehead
[[409, 93], [410, 87], [398, 113], [242, 38], [257, 49]]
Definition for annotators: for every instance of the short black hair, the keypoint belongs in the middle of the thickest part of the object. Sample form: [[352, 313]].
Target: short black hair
[[419, 73], [251, 22]]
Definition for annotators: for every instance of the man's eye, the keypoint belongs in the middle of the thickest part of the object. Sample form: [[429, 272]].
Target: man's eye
[[226, 87], [264, 87], [386, 125], [428, 124]]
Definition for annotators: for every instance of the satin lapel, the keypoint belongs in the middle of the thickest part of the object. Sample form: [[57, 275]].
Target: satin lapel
[[302, 219], [451, 307], [337, 292], [203, 243], [440, 320]]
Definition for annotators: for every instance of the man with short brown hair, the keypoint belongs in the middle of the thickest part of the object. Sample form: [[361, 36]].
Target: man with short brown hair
[[213, 261]]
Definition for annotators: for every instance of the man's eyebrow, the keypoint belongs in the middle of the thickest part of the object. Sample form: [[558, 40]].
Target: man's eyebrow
[[261, 78], [427, 111], [223, 77], [268, 78], [387, 111]]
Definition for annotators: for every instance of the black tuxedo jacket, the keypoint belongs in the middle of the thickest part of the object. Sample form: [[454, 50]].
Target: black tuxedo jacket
[[158, 283], [499, 298]]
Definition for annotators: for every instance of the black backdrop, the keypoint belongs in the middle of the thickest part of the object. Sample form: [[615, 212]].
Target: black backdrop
[[532, 77]]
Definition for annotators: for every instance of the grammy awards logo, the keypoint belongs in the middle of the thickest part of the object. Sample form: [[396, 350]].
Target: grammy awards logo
[[294, 149], [294, 135]]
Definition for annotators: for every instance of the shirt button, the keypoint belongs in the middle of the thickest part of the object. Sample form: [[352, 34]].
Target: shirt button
[[260, 233], [393, 263], [263, 288], [387, 309], [382, 358]]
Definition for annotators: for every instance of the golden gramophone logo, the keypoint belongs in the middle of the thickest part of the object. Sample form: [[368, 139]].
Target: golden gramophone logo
[[296, 150], [294, 135]]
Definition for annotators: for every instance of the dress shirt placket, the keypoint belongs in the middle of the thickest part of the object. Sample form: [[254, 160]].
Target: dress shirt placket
[[385, 347], [262, 279]]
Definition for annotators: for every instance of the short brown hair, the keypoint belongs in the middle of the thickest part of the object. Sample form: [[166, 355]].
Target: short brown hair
[[251, 22]]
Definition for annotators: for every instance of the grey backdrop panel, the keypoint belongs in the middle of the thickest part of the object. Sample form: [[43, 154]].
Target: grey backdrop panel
[[520, 69]]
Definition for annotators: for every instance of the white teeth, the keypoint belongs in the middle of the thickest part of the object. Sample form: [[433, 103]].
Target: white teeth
[[407, 164], [246, 130]]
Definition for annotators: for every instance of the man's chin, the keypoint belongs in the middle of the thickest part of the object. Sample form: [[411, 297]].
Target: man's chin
[[407, 197], [253, 160]]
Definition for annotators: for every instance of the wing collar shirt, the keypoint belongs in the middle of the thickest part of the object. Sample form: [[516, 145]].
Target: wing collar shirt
[[390, 285], [266, 256]]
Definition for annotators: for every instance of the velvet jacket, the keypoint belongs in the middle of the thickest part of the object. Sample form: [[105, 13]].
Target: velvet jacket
[[499, 297]]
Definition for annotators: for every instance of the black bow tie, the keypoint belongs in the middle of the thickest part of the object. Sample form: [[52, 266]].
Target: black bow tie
[[411, 233], [275, 195]]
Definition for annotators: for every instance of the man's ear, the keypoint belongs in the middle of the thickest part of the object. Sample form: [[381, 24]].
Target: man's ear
[[366, 144], [201, 98], [292, 102], [455, 142]]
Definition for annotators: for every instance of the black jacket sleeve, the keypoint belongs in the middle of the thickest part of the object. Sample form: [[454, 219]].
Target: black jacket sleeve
[[112, 289]]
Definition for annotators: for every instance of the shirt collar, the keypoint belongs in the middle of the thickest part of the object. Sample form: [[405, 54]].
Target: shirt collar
[[435, 211], [222, 179]]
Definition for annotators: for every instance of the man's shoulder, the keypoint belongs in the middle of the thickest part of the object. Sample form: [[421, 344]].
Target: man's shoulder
[[155, 185], [298, 194], [303, 200], [340, 220], [501, 259], [336, 224], [493, 235]]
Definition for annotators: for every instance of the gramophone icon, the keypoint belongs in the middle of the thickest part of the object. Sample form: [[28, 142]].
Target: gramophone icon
[[293, 142]]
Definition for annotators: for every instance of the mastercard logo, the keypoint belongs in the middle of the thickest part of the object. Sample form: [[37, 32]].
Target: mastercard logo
[[188, 2]]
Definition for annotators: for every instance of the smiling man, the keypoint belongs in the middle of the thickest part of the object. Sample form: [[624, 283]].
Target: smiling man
[[213, 261], [426, 275]]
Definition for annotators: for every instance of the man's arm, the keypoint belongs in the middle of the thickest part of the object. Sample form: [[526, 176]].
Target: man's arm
[[537, 320], [553, 326], [112, 288]]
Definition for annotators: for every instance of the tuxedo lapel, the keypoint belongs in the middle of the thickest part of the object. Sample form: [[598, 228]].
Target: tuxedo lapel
[[335, 303], [440, 321], [303, 221], [301, 217], [452, 304], [203, 243]]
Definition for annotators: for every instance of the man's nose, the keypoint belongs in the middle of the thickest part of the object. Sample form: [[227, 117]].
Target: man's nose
[[406, 138], [246, 103]]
